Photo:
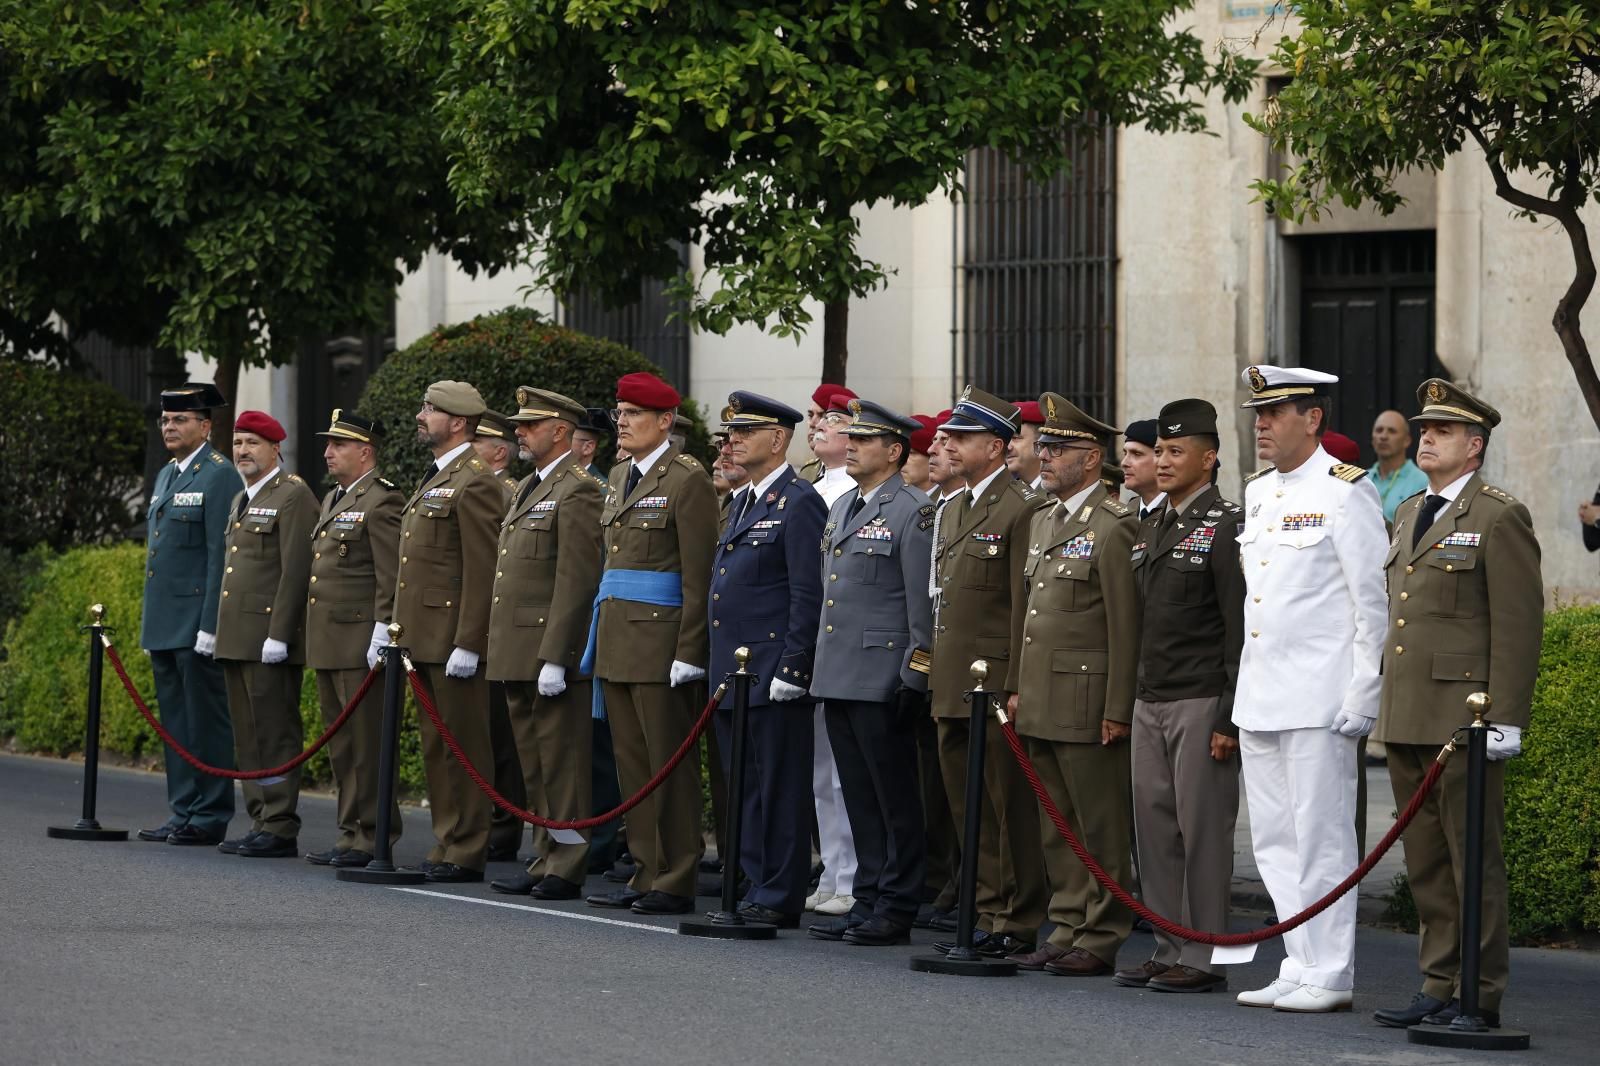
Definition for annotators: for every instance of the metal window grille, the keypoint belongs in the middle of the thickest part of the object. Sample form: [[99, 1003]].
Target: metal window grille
[[646, 325], [1038, 275]]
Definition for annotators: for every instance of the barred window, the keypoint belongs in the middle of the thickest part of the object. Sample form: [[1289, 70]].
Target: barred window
[[646, 325]]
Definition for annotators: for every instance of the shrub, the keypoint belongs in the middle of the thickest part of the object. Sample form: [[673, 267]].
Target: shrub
[[496, 353]]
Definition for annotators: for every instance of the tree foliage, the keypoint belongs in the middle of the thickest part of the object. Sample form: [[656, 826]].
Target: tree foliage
[[753, 130], [1382, 88]]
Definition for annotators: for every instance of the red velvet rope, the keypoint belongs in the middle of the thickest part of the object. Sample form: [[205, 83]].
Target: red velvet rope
[[217, 771], [572, 823], [1183, 932]]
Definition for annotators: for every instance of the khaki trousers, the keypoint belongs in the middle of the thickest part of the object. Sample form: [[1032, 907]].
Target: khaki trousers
[[459, 808], [353, 753], [1185, 806], [1011, 877], [648, 723], [264, 704], [1436, 851], [555, 740]]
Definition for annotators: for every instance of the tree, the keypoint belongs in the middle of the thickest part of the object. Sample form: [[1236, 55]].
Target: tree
[[220, 176], [1382, 88], [756, 130]]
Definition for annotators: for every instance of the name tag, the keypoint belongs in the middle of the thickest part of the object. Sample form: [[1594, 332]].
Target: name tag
[[1291, 522], [188, 499], [1463, 540]]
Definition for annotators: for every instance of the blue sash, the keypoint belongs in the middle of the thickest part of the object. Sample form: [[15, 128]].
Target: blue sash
[[661, 588]]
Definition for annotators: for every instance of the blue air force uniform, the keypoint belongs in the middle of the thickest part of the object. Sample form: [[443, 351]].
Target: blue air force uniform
[[765, 596], [187, 524]]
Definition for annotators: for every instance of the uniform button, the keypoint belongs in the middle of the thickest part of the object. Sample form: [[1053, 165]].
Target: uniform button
[[497, 599], [1399, 650], [891, 644], [829, 629], [716, 625], [158, 532], [541, 622], [1271, 529], [1033, 612], [224, 592], [1041, 584], [833, 577], [318, 555], [234, 548], [504, 550], [1449, 567], [1256, 598], [408, 534], [1069, 573], [1027, 640], [402, 584], [1255, 632], [653, 614], [1400, 623], [1084, 668], [447, 603], [830, 603], [715, 596], [614, 549], [837, 552], [1263, 562], [499, 573], [151, 573], [1409, 569], [727, 547], [313, 580], [722, 570], [229, 570], [324, 534], [1405, 595], [405, 559], [774, 636]]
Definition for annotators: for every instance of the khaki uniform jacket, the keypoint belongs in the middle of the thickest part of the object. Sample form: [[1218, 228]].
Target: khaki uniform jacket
[[1079, 640], [546, 575], [447, 553], [979, 556], [667, 524], [267, 571], [354, 561], [1466, 614]]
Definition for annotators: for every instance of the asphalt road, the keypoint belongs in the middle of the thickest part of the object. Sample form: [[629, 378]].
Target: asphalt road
[[143, 953]]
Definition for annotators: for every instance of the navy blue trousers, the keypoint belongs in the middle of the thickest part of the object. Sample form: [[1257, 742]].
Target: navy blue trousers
[[775, 850]]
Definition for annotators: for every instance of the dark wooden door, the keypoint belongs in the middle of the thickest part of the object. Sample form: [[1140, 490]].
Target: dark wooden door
[[332, 372]]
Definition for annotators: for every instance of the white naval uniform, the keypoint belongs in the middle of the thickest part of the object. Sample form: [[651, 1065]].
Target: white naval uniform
[[835, 842], [1315, 613]]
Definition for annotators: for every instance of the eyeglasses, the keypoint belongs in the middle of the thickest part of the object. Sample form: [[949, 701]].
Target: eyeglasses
[[745, 431], [428, 408], [177, 420], [1055, 450], [618, 415], [834, 418]]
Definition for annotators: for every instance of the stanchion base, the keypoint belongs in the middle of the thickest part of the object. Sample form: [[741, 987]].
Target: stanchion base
[[978, 967], [366, 875], [720, 925], [92, 831], [1484, 1040]]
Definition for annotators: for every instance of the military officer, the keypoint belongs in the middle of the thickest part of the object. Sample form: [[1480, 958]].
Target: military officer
[[648, 641], [586, 441], [1078, 651], [188, 523], [1185, 745], [354, 559], [261, 627], [547, 572], [821, 401], [1466, 611], [1312, 550], [982, 545], [872, 673], [442, 598], [1022, 459], [496, 444], [765, 595]]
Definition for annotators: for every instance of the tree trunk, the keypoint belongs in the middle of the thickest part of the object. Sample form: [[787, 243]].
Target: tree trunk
[[227, 380], [1569, 312], [835, 340]]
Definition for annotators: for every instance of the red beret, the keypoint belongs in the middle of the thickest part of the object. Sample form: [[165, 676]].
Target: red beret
[[261, 424], [1030, 413], [647, 391], [922, 439], [1341, 447], [943, 416], [823, 395]]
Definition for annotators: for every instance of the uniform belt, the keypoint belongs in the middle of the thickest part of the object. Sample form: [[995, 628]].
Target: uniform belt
[[656, 587]]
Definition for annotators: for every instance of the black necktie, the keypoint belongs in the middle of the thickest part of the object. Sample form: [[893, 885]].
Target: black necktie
[[744, 505], [527, 490], [338, 494], [433, 468], [633, 480], [244, 501], [1168, 520], [1430, 510], [855, 507]]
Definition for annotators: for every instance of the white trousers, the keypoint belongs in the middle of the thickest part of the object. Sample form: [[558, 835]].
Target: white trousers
[[1300, 789], [837, 846]]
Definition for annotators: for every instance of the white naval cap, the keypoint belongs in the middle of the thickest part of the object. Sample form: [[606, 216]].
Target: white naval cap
[[1276, 384]]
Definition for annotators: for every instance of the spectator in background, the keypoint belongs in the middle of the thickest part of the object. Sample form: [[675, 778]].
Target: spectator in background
[[1394, 475]]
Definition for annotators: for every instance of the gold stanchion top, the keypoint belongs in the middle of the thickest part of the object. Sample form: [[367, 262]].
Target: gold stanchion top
[[1478, 703], [741, 656], [97, 613], [980, 672], [395, 632]]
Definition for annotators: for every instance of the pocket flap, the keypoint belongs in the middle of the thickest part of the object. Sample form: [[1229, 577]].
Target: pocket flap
[[1451, 559], [1073, 569], [355, 532], [987, 549], [438, 507], [863, 546], [1454, 666], [260, 523], [1072, 661], [884, 638]]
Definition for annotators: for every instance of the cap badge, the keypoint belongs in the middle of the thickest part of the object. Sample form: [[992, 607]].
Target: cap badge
[[1050, 408], [1435, 392], [854, 406], [735, 404], [1258, 381], [1175, 429]]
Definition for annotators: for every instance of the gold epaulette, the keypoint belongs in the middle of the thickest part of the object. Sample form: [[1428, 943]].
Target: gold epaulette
[[386, 483], [921, 661], [1264, 470], [216, 457], [1500, 494], [297, 479], [689, 461], [1347, 472], [476, 463]]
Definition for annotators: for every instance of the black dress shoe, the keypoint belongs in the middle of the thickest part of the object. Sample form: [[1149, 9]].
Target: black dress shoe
[[160, 833], [1451, 1011], [315, 858], [231, 847], [448, 873], [269, 846], [755, 912], [423, 866], [832, 928], [878, 932], [979, 938], [616, 899], [553, 887], [655, 902], [1421, 1006], [998, 946], [931, 919], [353, 857], [193, 835], [517, 884], [504, 853]]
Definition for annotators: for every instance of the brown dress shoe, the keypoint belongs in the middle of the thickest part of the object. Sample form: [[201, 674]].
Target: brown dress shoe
[[1035, 960], [1187, 979], [1077, 963], [1141, 974]]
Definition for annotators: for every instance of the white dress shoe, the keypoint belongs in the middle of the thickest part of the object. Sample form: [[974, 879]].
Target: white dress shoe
[[1266, 997], [817, 898], [1312, 999], [836, 905]]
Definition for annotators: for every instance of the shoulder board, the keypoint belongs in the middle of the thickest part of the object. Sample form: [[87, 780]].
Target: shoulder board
[[688, 461], [476, 463], [1021, 489], [1500, 494], [1347, 472], [927, 510], [1229, 506], [1115, 506], [297, 479], [215, 458], [1264, 470], [510, 481], [386, 483]]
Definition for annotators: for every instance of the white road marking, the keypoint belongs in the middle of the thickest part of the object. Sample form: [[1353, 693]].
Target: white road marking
[[536, 910]]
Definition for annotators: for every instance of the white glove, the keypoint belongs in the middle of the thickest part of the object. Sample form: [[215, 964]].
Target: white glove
[[380, 639], [1351, 724], [783, 692], [274, 651], [552, 679], [1505, 741], [205, 643], [682, 673], [462, 664]]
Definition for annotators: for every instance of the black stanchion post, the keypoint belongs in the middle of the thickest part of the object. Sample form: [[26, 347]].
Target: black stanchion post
[[728, 923], [381, 870], [1468, 1029], [88, 827], [963, 960]]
